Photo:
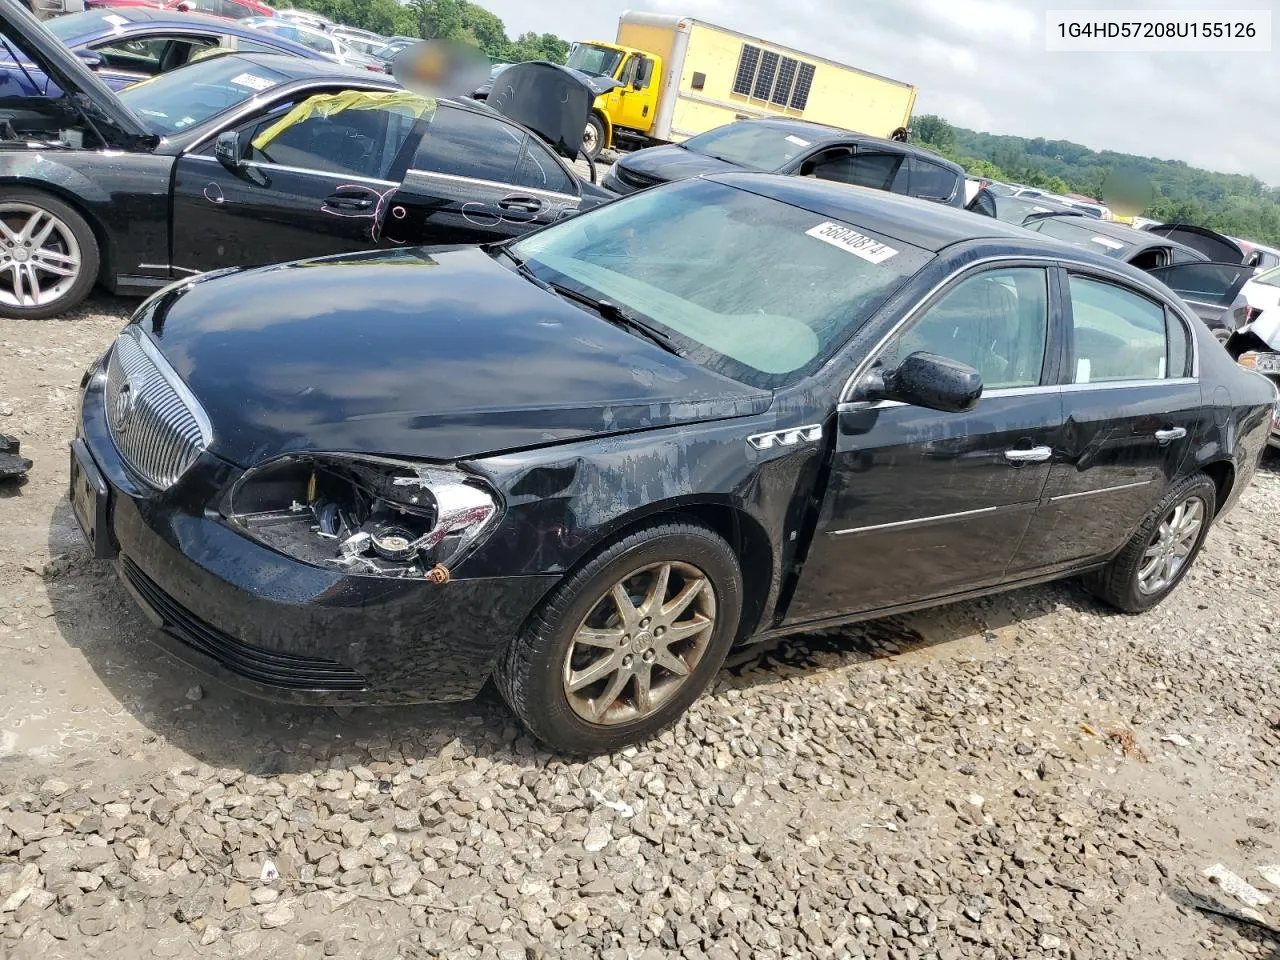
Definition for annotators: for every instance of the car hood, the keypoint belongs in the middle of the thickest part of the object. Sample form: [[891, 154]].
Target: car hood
[[33, 41], [673, 162], [438, 354]]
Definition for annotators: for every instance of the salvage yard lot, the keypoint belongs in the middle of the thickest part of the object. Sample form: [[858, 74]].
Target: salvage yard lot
[[990, 779]]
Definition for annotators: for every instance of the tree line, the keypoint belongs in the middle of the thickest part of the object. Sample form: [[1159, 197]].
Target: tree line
[[457, 20], [1235, 204]]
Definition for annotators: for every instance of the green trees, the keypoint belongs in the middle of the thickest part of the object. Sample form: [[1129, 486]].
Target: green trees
[[1234, 204], [457, 20]]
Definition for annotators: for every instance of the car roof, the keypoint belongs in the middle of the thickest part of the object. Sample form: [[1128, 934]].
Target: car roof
[[296, 68], [922, 223], [821, 133], [158, 15]]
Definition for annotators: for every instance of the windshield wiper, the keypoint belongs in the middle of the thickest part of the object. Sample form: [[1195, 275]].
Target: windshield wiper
[[614, 313], [619, 316]]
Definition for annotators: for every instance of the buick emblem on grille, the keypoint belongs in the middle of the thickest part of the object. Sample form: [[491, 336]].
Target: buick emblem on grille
[[124, 405]]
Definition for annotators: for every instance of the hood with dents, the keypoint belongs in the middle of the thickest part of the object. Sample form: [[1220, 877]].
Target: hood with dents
[[33, 42], [438, 355], [672, 162]]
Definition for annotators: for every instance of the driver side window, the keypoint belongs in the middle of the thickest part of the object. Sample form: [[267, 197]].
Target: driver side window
[[353, 141], [996, 322]]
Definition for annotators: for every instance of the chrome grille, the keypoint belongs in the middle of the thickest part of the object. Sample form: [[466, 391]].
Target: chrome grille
[[156, 423]]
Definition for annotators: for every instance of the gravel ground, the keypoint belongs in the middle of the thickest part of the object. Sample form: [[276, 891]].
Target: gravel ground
[[1025, 776]]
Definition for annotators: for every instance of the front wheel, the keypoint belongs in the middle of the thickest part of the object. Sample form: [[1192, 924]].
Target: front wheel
[[48, 255], [623, 647], [593, 137], [1161, 552]]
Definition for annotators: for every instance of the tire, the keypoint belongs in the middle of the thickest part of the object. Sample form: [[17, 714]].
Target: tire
[[1120, 584], [64, 242], [534, 673], [1222, 335], [593, 137]]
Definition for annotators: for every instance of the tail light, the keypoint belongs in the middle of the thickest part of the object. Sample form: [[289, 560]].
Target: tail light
[[1249, 314], [376, 67]]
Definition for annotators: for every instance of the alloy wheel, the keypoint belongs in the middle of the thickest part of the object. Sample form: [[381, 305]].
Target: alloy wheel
[[1171, 544], [639, 643], [40, 258]]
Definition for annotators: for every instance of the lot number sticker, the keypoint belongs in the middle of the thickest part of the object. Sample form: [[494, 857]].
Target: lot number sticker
[[253, 83], [846, 238]]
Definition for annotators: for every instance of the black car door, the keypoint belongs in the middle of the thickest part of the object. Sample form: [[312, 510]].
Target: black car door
[[1207, 288], [477, 178], [1133, 410], [924, 504], [319, 180]]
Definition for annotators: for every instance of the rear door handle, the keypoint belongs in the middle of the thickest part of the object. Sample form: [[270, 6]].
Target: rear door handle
[[527, 204], [349, 201], [1034, 455], [1173, 433]]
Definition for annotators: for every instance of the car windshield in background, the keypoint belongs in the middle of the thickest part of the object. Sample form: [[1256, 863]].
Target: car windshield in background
[[750, 144], [750, 287], [172, 102], [1268, 278], [597, 61], [1076, 231]]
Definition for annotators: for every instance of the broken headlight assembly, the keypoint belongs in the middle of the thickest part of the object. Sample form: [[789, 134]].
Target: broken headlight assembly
[[367, 516]]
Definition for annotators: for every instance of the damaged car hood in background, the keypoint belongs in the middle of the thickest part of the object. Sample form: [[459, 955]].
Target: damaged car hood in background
[[441, 355], [29, 37]]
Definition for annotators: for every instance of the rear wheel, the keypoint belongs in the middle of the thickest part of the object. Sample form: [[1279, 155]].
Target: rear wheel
[[593, 137], [1161, 551], [623, 646], [48, 255]]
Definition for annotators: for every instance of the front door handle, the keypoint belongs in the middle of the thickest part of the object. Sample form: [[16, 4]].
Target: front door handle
[[1034, 455], [526, 204], [1168, 436]]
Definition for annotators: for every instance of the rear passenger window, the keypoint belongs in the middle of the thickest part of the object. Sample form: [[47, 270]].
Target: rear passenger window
[[876, 170], [539, 169], [465, 144], [1120, 335], [1179, 346], [930, 181]]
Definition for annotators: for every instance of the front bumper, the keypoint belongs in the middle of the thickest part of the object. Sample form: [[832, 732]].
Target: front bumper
[[278, 628]]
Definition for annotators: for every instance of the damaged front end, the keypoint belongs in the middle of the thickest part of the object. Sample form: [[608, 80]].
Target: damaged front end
[[369, 516]]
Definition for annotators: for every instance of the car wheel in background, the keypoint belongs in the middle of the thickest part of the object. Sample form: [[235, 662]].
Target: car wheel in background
[[623, 646], [593, 137], [48, 255], [1161, 551]]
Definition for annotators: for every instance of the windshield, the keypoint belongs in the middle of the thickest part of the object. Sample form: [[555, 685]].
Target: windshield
[[174, 101], [597, 61], [1269, 278], [750, 144], [748, 286], [1077, 232]]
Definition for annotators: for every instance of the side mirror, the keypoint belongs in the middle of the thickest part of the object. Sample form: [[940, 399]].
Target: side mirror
[[229, 151], [930, 381], [90, 58]]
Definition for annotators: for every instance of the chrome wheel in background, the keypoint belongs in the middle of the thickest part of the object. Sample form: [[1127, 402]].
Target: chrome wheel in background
[[40, 257]]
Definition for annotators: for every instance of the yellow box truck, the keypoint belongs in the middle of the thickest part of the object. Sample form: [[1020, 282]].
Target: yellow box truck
[[680, 77]]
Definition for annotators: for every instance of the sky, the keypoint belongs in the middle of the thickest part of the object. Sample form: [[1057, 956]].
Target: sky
[[983, 64]]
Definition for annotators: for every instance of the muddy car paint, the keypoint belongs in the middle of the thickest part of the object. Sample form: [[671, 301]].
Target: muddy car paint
[[819, 492]]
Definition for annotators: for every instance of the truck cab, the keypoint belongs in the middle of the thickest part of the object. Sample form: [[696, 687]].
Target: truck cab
[[627, 110]]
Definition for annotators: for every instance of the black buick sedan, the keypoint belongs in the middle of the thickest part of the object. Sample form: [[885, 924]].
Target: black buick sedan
[[240, 160], [588, 462]]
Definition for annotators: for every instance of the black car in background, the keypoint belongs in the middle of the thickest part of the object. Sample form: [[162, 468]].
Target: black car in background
[[590, 461], [797, 148], [246, 159]]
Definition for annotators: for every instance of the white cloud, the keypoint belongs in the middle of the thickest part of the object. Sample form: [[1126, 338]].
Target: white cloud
[[983, 64]]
